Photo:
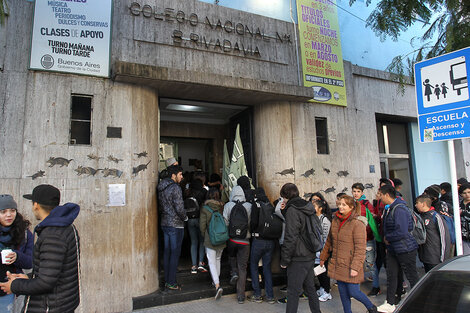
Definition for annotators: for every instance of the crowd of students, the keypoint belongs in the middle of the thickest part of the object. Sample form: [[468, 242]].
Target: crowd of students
[[352, 243]]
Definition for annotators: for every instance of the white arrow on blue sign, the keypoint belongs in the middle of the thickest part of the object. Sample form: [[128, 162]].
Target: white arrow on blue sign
[[442, 96]]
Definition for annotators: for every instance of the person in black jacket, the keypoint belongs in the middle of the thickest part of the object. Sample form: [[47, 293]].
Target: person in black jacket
[[295, 255], [53, 285]]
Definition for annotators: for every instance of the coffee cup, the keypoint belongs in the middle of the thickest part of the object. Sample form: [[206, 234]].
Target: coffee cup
[[6, 252]]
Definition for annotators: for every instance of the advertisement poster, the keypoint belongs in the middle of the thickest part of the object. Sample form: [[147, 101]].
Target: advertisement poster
[[72, 36], [320, 44]]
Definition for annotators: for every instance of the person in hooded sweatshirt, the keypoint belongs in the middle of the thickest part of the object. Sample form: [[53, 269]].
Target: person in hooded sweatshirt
[[295, 255], [53, 285], [238, 249]]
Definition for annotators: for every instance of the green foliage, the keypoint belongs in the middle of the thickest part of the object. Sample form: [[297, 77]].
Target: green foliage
[[449, 19]]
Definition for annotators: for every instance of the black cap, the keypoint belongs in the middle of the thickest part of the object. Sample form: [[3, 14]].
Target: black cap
[[45, 194]]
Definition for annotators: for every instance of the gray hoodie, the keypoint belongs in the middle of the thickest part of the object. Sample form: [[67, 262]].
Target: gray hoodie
[[237, 194]]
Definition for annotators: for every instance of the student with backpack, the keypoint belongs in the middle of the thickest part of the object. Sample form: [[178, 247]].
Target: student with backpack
[[436, 248], [402, 247], [195, 196], [266, 228], [302, 232], [212, 225], [237, 214]]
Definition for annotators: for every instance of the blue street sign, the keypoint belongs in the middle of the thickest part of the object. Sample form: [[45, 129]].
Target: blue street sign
[[442, 96]]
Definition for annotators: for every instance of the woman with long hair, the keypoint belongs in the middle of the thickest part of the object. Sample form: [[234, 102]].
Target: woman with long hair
[[346, 245], [16, 243]]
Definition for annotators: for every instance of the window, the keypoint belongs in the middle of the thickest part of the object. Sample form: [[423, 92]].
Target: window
[[80, 122], [322, 135]]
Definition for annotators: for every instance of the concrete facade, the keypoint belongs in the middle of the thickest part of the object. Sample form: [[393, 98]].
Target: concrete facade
[[186, 50]]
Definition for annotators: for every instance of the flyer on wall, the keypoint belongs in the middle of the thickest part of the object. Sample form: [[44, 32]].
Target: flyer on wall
[[72, 36]]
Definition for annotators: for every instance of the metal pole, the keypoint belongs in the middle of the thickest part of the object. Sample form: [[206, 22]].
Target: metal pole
[[455, 197]]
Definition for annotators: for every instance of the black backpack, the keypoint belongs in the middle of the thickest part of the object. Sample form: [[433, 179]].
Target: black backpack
[[238, 223], [192, 207], [269, 224], [312, 235]]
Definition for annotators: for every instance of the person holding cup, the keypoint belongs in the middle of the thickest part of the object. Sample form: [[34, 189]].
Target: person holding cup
[[16, 245]]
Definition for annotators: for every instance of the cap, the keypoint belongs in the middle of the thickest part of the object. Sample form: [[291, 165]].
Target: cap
[[170, 161], [7, 202], [45, 194]]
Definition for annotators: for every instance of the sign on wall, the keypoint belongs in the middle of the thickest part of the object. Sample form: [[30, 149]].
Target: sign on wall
[[320, 45], [442, 96], [72, 36]]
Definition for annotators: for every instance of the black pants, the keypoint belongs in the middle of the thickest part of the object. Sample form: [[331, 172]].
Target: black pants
[[300, 276], [238, 256], [428, 266], [324, 279], [395, 264]]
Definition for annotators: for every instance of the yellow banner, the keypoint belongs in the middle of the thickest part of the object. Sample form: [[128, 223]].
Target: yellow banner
[[322, 60]]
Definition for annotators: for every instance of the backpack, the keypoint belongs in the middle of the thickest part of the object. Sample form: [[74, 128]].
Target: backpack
[[238, 222], [217, 229], [269, 224], [192, 207], [419, 229], [312, 235], [450, 225]]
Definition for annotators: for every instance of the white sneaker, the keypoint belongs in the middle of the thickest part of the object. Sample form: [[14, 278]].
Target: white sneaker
[[320, 291], [325, 297], [386, 308]]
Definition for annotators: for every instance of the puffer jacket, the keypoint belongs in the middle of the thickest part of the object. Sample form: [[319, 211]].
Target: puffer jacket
[[54, 282], [347, 247], [204, 220], [293, 249], [172, 209], [397, 226]]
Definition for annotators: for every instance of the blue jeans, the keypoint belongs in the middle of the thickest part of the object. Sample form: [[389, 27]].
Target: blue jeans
[[6, 303], [173, 238], [262, 249], [371, 267], [347, 290], [197, 241]]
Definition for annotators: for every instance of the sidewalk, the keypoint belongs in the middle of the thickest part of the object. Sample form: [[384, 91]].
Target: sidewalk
[[228, 304]]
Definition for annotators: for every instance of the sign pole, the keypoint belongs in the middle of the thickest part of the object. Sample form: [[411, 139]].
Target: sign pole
[[455, 197]]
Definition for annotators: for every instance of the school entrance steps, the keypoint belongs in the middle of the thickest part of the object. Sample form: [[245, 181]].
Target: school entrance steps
[[194, 287]]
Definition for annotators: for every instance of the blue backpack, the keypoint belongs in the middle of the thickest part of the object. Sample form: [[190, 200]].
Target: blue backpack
[[450, 225], [217, 229]]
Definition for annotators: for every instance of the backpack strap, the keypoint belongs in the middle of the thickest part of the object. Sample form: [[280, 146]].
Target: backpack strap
[[208, 208]]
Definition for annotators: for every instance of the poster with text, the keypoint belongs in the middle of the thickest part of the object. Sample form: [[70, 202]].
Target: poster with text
[[320, 45], [72, 36]]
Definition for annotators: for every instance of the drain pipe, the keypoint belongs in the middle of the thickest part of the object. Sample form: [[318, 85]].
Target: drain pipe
[[296, 43]]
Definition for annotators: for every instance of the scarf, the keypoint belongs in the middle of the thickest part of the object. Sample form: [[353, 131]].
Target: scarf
[[342, 219], [5, 237], [363, 197]]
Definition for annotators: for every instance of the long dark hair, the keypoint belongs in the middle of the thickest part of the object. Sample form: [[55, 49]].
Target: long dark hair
[[325, 208], [18, 228]]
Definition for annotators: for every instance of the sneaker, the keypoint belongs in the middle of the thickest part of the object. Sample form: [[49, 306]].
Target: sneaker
[[256, 299], [303, 296], [270, 300], [320, 291], [194, 269], [374, 292], [234, 279], [325, 297], [283, 289], [241, 300], [218, 293], [173, 286], [201, 268], [282, 300], [386, 308]]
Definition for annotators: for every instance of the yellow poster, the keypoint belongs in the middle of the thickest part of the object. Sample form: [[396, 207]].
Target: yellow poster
[[320, 45]]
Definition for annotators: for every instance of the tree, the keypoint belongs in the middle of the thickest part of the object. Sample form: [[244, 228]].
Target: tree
[[3, 11], [449, 19]]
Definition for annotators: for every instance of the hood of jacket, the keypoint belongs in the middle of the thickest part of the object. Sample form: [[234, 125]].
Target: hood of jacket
[[302, 205], [215, 205], [237, 194], [397, 202], [60, 216], [165, 183]]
